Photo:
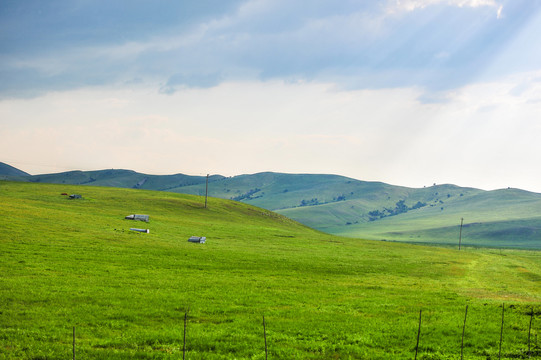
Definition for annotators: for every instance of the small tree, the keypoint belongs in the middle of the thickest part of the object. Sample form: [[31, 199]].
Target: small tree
[[401, 207]]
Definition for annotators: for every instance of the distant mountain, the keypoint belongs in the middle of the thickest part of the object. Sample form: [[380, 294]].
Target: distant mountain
[[123, 179], [8, 170], [349, 207], [379, 211]]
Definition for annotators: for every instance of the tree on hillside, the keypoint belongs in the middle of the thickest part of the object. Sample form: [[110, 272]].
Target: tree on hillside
[[418, 205], [401, 207], [311, 202]]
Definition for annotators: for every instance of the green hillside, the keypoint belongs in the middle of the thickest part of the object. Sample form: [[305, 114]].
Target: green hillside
[[74, 263], [276, 191], [349, 207], [8, 170], [502, 218], [123, 179]]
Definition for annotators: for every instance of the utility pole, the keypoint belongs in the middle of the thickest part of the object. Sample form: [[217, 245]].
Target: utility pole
[[460, 236], [207, 191]]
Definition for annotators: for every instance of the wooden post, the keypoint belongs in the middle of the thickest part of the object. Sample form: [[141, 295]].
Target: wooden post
[[184, 343], [265, 336], [501, 332], [74, 343], [463, 330], [206, 190], [460, 235], [418, 334], [529, 332]]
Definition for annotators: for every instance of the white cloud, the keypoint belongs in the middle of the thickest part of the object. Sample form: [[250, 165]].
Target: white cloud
[[395, 6], [356, 43], [483, 135]]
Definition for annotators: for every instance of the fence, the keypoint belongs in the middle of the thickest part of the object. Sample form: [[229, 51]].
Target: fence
[[528, 353]]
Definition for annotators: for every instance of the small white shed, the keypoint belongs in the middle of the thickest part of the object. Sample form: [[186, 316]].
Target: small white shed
[[197, 239], [144, 218]]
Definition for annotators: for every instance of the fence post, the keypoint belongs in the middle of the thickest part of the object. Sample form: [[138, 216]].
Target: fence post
[[265, 336], [529, 332], [74, 343], [501, 332], [418, 333], [463, 330], [184, 342], [460, 236], [206, 190]]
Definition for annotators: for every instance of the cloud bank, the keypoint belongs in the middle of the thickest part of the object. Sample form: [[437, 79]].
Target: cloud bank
[[436, 44], [409, 92]]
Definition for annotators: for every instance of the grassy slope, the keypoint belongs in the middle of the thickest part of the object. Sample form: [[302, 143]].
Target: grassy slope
[[508, 218], [277, 190], [71, 263], [121, 178], [341, 205], [356, 210], [503, 218], [8, 170]]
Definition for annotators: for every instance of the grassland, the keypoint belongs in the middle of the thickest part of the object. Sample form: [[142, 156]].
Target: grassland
[[502, 218], [343, 206], [67, 263]]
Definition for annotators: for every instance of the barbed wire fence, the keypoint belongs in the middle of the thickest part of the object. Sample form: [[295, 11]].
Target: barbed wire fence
[[531, 348]]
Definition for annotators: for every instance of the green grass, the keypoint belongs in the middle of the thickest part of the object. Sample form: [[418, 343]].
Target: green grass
[[119, 178], [342, 206], [68, 263], [503, 218]]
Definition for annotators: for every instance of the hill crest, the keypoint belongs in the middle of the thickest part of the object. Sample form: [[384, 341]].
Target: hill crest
[[8, 170], [344, 206]]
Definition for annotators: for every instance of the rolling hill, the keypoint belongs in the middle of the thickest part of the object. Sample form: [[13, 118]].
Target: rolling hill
[[349, 207], [74, 264], [374, 210], [8, 170], [121, 178]]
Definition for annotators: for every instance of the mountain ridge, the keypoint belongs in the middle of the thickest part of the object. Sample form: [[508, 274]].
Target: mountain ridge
[[8, 170], [345, 206]]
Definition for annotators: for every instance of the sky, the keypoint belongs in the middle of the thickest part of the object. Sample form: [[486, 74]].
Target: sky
[[409, 92]]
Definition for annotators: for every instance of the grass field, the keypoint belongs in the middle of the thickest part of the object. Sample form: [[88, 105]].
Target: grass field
[[502, 218], [74, 263], [344, 206]]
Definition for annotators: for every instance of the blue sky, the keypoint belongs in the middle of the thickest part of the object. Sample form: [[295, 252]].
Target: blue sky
[[408, 92]]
